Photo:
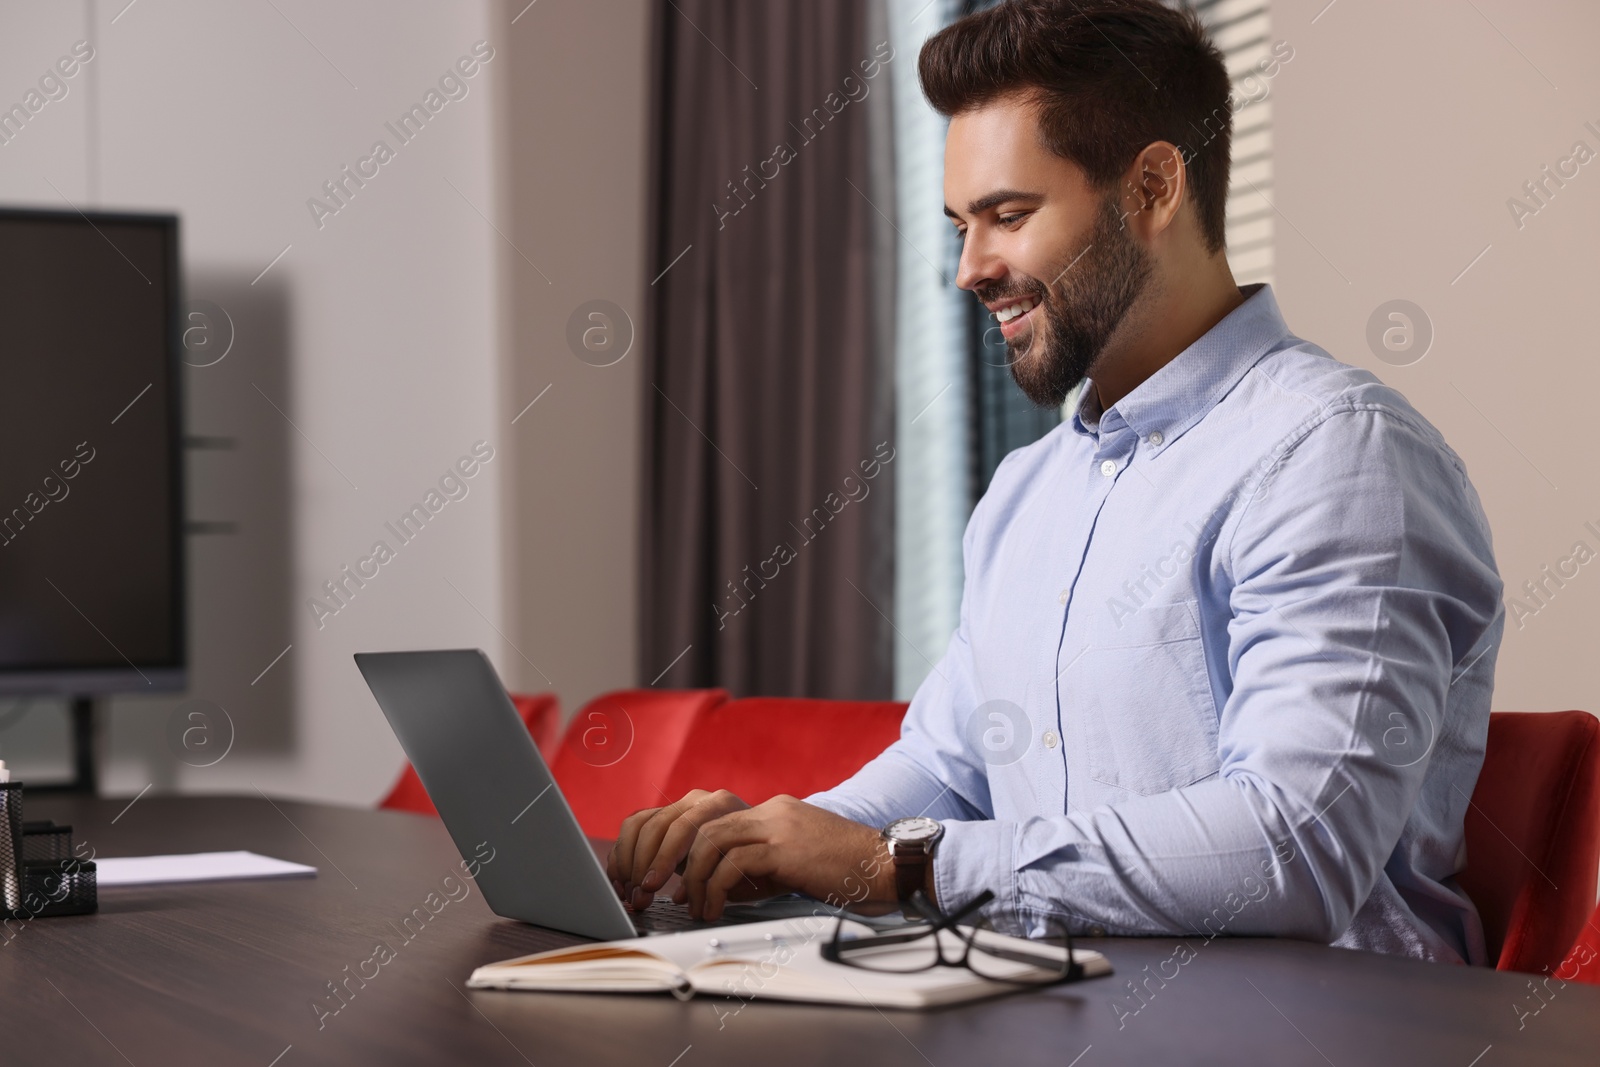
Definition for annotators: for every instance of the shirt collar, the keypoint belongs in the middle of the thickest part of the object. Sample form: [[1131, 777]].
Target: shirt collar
[[1183, 391]]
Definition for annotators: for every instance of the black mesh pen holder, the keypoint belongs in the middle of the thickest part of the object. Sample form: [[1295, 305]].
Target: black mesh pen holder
[[45, 840], [11, 847], [39, 877], [59, 887]]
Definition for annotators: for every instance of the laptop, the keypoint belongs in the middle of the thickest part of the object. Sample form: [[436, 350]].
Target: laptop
[[493, 791]]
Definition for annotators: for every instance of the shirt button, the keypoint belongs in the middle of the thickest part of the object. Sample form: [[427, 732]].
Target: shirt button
[[1050, 739], [1062, 599], [1156, 438], [1097, 930], [1108, 468]]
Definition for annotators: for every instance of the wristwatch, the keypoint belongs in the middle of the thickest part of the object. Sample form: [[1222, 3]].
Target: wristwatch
[[912, 842]]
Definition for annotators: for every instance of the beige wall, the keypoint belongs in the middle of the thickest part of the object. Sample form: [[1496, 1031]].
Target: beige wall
[[1402, 129]]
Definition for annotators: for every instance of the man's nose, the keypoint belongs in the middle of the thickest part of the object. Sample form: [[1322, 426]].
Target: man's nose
[[979, 265]]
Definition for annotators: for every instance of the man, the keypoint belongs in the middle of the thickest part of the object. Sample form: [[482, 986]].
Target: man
[[1227, 638]]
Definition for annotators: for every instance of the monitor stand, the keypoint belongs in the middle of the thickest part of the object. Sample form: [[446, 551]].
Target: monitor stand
[[85, 765]]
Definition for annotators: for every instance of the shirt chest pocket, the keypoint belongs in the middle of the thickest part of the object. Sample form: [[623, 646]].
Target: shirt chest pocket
[[1147, 719]]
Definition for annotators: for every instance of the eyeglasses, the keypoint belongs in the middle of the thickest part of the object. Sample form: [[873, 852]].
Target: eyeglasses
[[944, 942]]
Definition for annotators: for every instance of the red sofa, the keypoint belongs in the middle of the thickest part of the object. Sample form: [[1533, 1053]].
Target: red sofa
[[619, 751], [761, 747], [1533, 836]]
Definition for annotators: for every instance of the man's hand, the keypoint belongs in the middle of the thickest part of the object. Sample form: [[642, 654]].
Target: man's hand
[[731, 851], [653, 843], [785, 846]]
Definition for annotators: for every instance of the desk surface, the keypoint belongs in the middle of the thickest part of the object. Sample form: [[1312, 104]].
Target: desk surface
[[229, 973]]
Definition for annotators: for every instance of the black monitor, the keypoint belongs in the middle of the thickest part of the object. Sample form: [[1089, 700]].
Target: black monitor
[[91, 454]]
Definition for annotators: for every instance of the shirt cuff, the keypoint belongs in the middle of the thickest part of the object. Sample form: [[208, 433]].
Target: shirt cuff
[[827, 801], [973, 857]]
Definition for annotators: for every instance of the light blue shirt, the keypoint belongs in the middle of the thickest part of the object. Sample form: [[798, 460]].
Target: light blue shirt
[[1224, 665]]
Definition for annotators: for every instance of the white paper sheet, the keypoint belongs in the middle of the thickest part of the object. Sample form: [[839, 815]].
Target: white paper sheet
[[194, 867]]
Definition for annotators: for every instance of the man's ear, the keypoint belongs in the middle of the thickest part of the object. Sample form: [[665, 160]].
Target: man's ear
[[1153, 189]]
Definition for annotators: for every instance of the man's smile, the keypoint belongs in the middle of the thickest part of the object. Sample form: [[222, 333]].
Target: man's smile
[[1014, 314]]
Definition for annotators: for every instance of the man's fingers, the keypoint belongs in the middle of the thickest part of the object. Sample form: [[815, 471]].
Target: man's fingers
[[744, 867], [647, 847], [653, 830], [620, 862], [644, 847], [709, 848], [782, 845], [674, 847]]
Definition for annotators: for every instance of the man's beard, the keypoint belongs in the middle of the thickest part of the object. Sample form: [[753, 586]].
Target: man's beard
[[1085, 305]]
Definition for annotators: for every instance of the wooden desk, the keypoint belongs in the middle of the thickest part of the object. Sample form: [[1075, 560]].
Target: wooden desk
[[227, 974]]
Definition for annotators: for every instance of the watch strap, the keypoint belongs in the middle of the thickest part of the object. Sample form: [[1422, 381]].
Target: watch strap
[[910, 870]]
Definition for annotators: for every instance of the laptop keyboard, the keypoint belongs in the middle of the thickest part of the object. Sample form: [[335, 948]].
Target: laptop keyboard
[[663, 916]]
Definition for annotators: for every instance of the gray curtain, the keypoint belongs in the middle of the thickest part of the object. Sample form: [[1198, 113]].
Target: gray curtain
[[769, 433]]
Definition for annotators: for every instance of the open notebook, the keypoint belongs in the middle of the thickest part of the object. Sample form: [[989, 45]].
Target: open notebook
[[780, 959]]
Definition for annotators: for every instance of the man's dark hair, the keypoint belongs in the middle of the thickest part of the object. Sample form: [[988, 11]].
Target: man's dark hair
[[1108, 77]]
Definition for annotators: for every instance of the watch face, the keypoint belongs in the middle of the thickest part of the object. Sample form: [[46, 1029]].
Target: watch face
[[916, 828]]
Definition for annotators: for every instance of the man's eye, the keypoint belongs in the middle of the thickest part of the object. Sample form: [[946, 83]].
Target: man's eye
[[1011, 220]]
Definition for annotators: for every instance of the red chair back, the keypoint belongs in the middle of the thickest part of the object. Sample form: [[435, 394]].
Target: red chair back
[[761, 747], [1533, 836], [540, 713], [1583, 962], [619, 750]]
